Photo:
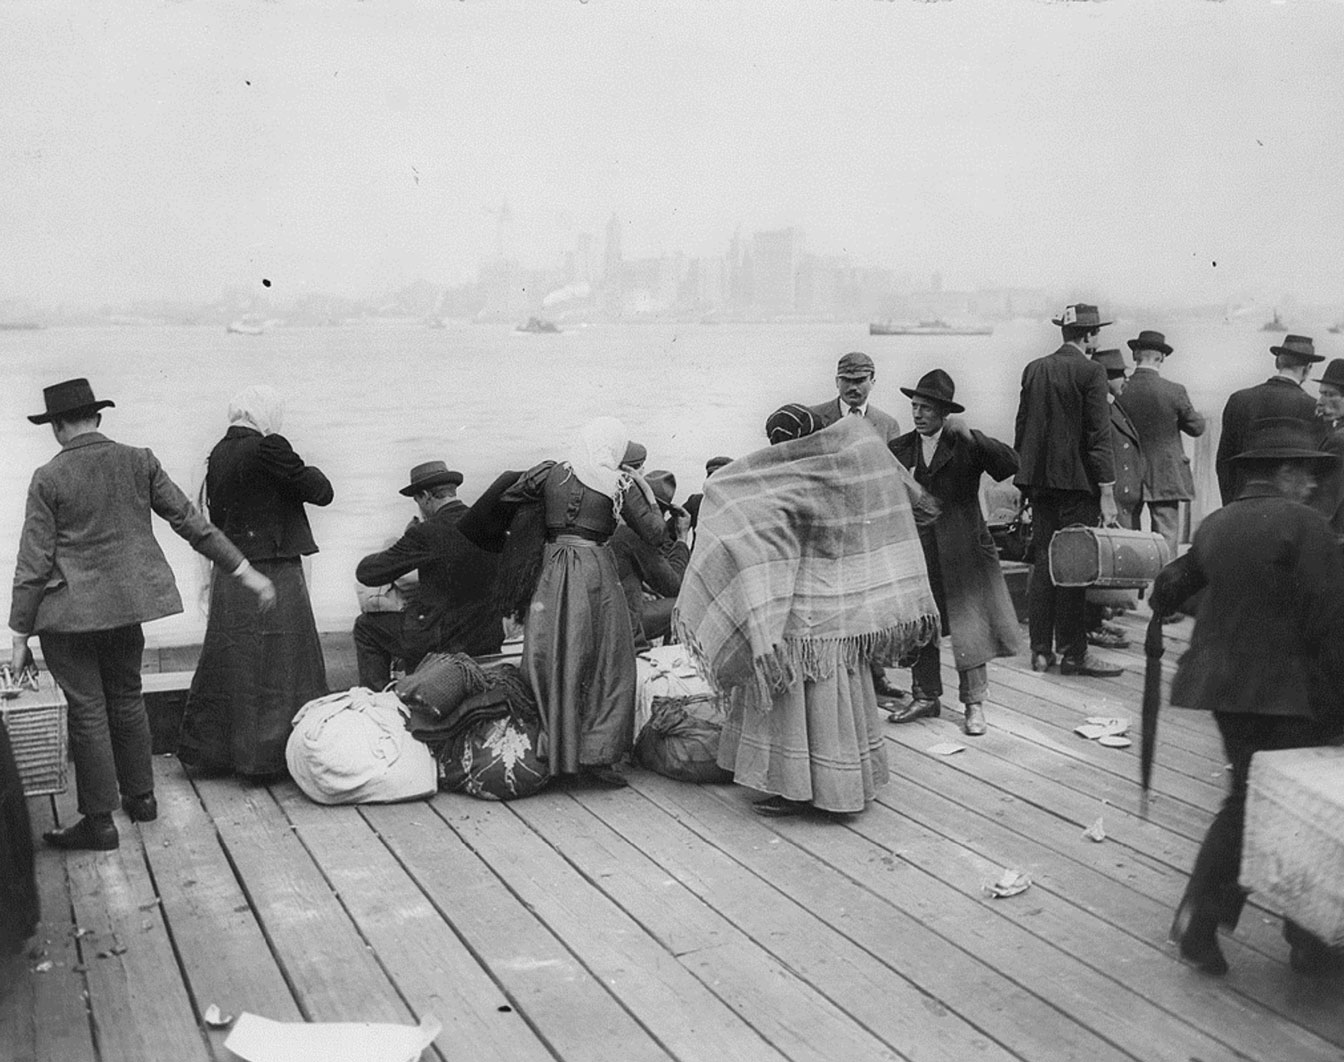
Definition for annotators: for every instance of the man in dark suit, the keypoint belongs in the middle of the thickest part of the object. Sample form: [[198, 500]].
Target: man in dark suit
[[1266, 657], [1063, 441], [1329, 497], [89, 573], [644, 569], [855, 376], [1282, 395], [1161, 410], [450, 608]]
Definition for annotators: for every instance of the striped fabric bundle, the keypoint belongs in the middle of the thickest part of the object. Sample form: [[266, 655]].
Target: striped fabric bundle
[[806, 559]]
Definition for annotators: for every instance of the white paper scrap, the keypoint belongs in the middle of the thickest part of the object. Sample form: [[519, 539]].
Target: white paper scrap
[[1095, 832], [945, 748], [257, 1039], [1010, 883]]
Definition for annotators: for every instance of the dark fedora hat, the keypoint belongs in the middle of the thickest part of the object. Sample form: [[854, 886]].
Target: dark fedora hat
[[635, 453], [1081, 315], [1110, 360], [1334, 374], [1283, 439], [664, 485], [938, 386], [1299, 347], [1150, 340], [430, 474], [69, 396]]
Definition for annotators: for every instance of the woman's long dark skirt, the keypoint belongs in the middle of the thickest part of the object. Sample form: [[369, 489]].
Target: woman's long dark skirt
[[18, 886], [256, 671]]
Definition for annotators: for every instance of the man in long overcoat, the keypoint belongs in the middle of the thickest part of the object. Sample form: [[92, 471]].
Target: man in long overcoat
[[1161, 410], [1067, 469], [1329, 497], [1266, 657], [947, 459], [1282, 395]]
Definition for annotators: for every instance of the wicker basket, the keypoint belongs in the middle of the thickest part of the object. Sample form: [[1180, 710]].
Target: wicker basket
[[37, 729], [1293, 852]]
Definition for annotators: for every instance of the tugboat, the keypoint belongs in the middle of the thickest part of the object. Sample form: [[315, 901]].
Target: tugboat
[[1274, 324], [250, 325], [538, 326]]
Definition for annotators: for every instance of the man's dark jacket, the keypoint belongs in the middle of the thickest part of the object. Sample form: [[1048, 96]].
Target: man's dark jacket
[[1063, 431], [1161, 410], [451, 609], [1269, 633], [640, 565], [1276, 397], [256, 487]]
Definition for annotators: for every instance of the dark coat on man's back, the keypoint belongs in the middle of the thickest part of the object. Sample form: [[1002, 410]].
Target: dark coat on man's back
[[256, 487], [962, 561], [1063, 430], [1276, 397], [1129, 458], [1161, 410]]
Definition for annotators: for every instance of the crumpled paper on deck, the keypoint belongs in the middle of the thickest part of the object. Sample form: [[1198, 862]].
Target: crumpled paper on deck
[[1010, 883], [257, 1039]]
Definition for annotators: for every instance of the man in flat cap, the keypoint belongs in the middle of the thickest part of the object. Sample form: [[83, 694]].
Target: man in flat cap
[[1282, 395], [1063, 440], [1161, 411], [449, 609], [854, 379], [89, 573]]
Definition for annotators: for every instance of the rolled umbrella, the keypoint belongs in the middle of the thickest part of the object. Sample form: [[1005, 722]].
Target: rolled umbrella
[[1152, 704]]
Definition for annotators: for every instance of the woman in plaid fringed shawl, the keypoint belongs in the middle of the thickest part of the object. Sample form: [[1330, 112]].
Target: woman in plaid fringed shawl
[[807, 567]]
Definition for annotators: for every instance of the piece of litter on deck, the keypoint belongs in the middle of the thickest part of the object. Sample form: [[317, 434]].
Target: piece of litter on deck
[[945, 748], [1116, 724], [257, 1039], [43, 967], [1095, 832], [1091, 731], [215, 1019], [1010, 883], [1114, 741]]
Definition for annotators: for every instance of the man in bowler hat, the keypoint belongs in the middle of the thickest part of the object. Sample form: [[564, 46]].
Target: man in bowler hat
[[89, 573], [1161, 410], [450, 608], [1266, 657], [1282, 395], [1067, 470]]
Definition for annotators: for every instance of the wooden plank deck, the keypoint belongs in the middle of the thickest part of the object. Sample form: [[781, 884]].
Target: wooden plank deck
[[667, 921]]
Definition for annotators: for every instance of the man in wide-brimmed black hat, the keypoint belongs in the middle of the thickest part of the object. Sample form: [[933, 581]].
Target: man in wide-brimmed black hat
[[1282, 395], [449, 609], [948, 459], [87, 598], [1266, 656], [1161, 411], [1063, 441]]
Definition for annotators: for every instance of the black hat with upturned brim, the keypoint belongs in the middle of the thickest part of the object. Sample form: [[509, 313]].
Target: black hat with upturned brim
[[430, 474], [67, 397], [1334, 374], [938, 386], [1283, 439], [1299, 347], [1149, 340]]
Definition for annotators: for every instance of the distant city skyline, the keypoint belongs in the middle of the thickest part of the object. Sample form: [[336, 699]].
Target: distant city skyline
[[1183, 151]]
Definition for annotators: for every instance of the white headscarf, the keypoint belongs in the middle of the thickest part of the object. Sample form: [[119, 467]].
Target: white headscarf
[[259, 407], [596, 456]]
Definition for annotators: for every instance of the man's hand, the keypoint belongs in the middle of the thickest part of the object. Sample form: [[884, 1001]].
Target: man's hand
[[1110, 512], [683, 519], [261, 586], [19, 657], [955, 425]]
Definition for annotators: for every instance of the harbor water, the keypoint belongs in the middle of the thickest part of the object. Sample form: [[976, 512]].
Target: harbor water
[[365, 402]]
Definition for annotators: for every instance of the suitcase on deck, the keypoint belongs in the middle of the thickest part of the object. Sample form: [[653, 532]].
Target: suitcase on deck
[[1292, 854], [1111, 557]]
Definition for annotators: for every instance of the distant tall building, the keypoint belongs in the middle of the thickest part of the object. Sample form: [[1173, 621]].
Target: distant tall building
[[612, 264], [584, 253], [775, 257]]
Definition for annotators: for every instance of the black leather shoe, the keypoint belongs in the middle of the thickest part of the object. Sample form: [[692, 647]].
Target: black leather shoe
[[974, 722], [142, 808], [606, 777], [885, 690], [778, 807], [923, 708], [1092, 666], [95, 833], [1042, 661]]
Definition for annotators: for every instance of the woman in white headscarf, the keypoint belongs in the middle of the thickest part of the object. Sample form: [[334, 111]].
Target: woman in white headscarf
[[578, 650], [256, 669]]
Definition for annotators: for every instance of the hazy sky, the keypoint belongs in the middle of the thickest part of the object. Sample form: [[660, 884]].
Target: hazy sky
[[1120, 147]]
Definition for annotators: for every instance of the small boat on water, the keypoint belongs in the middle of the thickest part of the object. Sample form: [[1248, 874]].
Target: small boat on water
[[933, 327], [19, 326], [1336, 328], [1274, 324], [247, 326], [538, 326]]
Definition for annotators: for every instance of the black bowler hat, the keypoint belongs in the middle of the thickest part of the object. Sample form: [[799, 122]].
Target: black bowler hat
[[430, 474], [1299, 347], [1110, 360], [938, 386], [1334, 374], [71, 396], [1150, 340], [1283, 439]]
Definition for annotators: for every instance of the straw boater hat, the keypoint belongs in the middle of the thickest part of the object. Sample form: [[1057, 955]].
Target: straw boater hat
[[1300, 347], [430, 474], [1080, 314], [1149, 340], [1334, 374], [70, 396], [1284, 439], [938, 386]]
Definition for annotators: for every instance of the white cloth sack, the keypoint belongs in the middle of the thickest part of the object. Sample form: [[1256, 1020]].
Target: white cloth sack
[[665, 671], [354, 748]]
